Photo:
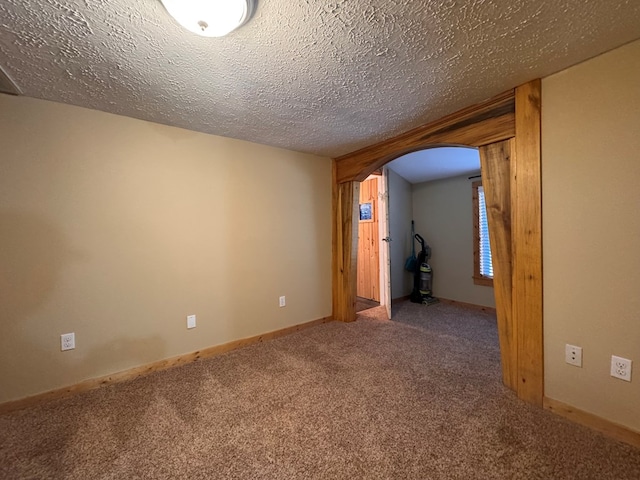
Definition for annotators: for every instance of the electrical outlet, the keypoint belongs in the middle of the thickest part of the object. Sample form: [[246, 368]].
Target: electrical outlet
[[67, 341], [283, 301], [191, 321], [573, 355], [621, 368]]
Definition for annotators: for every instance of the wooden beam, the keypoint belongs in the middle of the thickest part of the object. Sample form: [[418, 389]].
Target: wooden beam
[[495, 163], [488, 122], [345, 249], [527, 243]]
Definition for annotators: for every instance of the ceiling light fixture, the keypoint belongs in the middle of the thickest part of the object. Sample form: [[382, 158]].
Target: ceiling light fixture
[[210, 18]]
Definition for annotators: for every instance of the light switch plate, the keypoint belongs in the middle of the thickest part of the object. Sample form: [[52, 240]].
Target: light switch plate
[[191, 321]]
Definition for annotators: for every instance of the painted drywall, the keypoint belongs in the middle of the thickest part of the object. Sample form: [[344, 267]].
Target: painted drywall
[[117, 229], [400, 216], [443, 212], [591, 231]]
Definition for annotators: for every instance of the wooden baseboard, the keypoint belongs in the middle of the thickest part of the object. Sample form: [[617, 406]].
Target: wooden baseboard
[[482, 308], [143, 370], [608, 428]]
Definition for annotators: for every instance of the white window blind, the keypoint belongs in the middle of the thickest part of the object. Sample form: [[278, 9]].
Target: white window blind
[[486, 265]]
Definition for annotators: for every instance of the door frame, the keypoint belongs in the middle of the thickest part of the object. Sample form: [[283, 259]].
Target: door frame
[[376, 252], [385, 239], [516, 115]]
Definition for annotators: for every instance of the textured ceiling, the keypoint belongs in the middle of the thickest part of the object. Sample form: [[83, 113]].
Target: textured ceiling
[[308, 75]]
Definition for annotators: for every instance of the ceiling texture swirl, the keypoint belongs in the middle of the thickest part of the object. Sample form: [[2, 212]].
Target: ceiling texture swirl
[[325, 77]]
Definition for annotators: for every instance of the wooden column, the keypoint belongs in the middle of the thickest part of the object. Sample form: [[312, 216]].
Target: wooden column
[[345, 249], [527, 243], [497, 180]]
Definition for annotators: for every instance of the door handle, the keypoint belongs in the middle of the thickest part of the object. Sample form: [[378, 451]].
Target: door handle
[[387, 239]]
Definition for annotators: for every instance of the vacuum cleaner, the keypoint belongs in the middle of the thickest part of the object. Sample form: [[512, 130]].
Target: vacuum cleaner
[[423, 276]]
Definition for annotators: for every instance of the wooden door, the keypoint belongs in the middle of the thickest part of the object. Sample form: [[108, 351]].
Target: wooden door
[[368, 241]]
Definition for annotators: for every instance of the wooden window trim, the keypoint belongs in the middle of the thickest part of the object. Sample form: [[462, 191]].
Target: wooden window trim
[[478, 278]]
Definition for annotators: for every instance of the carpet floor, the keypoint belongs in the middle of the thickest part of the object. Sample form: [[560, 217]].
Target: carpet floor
[[419, 397]]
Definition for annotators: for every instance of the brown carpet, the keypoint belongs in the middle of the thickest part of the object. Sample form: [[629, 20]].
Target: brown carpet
[[415, 398]]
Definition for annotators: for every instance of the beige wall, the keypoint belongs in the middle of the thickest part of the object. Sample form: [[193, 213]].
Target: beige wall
[[400, 215], [591, 225], [443, 212], [116, 229]]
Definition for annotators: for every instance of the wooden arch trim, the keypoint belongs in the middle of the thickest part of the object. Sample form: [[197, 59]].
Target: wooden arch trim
[[507, 130], [482, 124]]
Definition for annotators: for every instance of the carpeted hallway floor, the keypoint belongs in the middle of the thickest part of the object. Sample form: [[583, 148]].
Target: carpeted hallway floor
[[416, 398]]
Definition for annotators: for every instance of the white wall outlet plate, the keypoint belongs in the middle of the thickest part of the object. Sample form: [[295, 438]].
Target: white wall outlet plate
[[67, 341], [621, 368], [283, 301], [191, 321], [573, 355]]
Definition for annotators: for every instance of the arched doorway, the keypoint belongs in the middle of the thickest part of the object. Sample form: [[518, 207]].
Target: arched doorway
[[435, 189], [506, 129]]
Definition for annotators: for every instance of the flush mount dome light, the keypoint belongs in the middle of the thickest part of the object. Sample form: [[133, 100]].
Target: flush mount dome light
[[210, 18]]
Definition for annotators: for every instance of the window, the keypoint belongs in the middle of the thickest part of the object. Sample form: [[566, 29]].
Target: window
[[482, 265]]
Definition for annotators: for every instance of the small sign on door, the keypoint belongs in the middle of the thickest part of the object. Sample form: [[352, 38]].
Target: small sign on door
[[366, 212]]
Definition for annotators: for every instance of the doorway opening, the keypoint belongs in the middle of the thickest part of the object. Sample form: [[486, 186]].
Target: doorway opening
[[434, 188], [368, 267], [504, 128], [373, 277]]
